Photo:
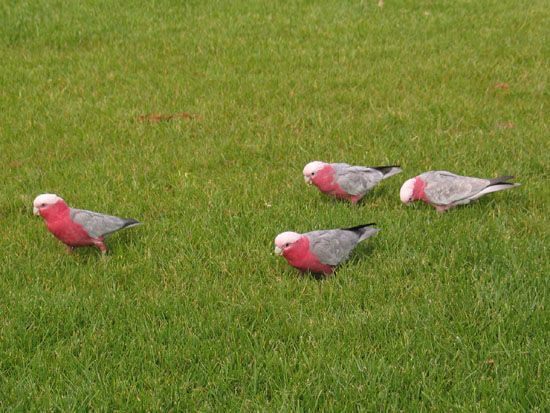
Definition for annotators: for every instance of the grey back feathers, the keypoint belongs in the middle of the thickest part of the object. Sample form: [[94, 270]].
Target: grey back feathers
[[445, 188], [99, 225], [333, 246], [358, 180]]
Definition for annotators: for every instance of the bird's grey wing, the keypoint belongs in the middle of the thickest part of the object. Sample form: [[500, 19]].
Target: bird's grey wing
[[444, 188], [357, 180], [96, 224], [332, 246]]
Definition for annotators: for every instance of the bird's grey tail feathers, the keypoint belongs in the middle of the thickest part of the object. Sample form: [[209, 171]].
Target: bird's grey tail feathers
[[496, 187], [365, 231], [389, 170]]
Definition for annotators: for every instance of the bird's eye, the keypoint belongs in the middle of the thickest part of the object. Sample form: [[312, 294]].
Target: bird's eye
[[287, 244], [42, 205], [313, 173]]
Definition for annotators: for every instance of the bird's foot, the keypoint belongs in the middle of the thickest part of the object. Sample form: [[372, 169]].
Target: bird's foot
[[441, 208], [102, 247]]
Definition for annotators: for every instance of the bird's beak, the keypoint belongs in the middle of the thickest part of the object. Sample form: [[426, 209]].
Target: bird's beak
[[35, 211], [278, 251], [307, 179]]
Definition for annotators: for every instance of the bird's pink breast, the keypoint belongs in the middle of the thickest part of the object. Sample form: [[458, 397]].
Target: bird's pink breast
[[418, 190], [325, 181], [300, 256], [59, 223], [70, 233]]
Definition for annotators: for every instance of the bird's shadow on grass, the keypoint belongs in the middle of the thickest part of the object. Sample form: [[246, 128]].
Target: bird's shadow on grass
[[493, 202], [91, 254], [376, 194], [485, 206], [315, 276], [332, 200], [362, 251], [85, 255], [481, 204]]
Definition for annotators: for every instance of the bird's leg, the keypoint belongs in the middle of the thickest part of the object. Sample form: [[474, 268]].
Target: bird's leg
[[69, 249], [101, 246], [103, 249], [442, 208]]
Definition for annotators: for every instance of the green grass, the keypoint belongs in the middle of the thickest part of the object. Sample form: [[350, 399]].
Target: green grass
[[192, 311]]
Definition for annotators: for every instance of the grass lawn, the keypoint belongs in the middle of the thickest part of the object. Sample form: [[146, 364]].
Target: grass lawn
[[193, 311]]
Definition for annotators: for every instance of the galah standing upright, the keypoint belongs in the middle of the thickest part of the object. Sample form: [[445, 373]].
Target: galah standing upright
[[345, 181], [321, 251], [77, 227], [445, 190]]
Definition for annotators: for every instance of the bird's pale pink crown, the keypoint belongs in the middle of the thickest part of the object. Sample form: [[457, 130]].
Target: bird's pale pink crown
[[284, 240], [407, 191], [43, 201], [311, 169]]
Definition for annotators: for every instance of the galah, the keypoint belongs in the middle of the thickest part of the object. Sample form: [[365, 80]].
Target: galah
[[345, 181], [445, 190], [321, 251], [77, 227]]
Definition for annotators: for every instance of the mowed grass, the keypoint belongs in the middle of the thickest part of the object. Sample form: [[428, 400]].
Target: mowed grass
[[193, 311]]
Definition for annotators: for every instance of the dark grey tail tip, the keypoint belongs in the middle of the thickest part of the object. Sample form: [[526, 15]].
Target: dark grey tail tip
[[132, 223], [501, 180], [358, 227], [386, 167], [388, 171]]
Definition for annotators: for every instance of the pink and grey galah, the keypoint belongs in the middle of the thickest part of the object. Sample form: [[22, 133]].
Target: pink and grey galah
[[345, 181], [321, 251], [77, 227], [445, 190]]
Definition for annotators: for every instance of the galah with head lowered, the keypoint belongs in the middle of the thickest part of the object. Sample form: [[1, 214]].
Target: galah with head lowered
[[445, 190], [345, 181], [321, 251], [77, 227]]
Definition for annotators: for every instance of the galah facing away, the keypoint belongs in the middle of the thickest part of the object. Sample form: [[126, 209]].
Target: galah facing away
[[321, 251], [77, 227], [345, 181], [445, 190]]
